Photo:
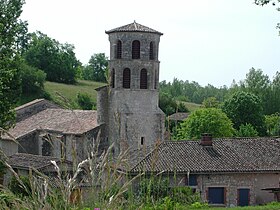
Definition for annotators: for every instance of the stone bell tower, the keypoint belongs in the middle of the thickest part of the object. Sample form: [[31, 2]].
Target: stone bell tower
[[128, 107]]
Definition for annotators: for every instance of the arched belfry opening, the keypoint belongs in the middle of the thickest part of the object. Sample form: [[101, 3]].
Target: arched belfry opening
[[126, 78], [143, 79], [136, 49], [119, 49]]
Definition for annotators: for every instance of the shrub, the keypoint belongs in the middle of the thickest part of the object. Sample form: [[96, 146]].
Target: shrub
[[85, 101]]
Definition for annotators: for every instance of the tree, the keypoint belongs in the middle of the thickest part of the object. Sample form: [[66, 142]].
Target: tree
[[210, 102], [259, 84], [32, 79], [96, 68], [57, 60], [272, 123], [10, 33], [210, 120], [245, 108], [246, 130], [85, 101], [167, 104]]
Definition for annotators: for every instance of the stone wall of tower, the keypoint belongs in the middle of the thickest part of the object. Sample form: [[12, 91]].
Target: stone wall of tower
[[136, 122]]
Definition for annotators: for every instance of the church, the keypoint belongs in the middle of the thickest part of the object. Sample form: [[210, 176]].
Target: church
[[225, 172]]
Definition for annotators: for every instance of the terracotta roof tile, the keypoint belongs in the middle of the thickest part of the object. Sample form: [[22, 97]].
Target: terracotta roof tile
[[226, 155], [133, 27], [60, 120]]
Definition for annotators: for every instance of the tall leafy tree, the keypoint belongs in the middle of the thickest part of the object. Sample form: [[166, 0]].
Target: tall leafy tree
[[57, 60], [96, 68], [245, 108], [10, 34], [259, 84], [205, 120]]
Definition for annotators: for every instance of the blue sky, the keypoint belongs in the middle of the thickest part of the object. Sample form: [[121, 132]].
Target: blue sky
[[207, 41]]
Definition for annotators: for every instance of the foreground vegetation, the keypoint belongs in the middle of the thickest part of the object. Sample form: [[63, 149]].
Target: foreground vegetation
[[108, 187]]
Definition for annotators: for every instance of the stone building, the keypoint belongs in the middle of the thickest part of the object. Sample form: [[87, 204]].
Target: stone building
[[226, 172], [128, 107], [45, 129]]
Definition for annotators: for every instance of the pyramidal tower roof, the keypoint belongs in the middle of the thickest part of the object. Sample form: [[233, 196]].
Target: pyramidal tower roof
[[133, 27]]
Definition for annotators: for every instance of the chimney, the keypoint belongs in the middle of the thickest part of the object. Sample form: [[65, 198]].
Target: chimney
[[206, 139]]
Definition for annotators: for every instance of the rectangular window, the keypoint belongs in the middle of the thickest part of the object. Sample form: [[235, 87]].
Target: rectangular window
[[243, 197], [142, 140], [191, 180], [216, 195]]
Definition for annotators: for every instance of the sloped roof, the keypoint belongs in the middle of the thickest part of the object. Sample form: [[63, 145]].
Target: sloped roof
[[226, 155], [59, 120], [26, 161], [133, 27]]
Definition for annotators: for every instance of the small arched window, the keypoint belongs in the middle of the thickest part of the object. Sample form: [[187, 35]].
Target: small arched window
[[119, 49], [135, 49], [113, 78], [152, 56], [126, 78], [143, 79]]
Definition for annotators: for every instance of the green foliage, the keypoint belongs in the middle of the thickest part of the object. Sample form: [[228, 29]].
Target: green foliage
[[245, 108], [85, 101], [184, 195], [57, 60], [210, 120], [272, 123], [199, 205], [246, 130], [10, 35], [22, 188], [153, 188], [181, 107], [210, 102], [69, 92], [32, 79], [167, 104], [97, 68]]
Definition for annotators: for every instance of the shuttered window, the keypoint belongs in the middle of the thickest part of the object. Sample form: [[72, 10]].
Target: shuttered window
[[135, 49], [143, 79], [119, 49], [126, 78]]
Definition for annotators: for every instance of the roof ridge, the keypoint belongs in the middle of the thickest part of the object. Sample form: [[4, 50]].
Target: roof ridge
[[134, 27]]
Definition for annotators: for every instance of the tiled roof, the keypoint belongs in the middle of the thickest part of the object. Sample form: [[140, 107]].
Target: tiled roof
[[60, 120], [133, 27], [226, 155], [179, 116], [25, 161]]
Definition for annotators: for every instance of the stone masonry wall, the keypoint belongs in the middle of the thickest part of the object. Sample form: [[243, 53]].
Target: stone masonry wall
[[232, 182]]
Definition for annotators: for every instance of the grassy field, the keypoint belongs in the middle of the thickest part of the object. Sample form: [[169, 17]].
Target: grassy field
[[58, 91], [192, 106]]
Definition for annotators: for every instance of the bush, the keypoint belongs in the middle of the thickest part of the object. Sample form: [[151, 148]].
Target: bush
[[246, 130], [85, 101]]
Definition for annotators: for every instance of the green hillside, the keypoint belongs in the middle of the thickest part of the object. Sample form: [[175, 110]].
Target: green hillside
[[64, 93], [192, 106]]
